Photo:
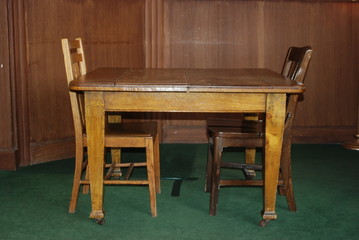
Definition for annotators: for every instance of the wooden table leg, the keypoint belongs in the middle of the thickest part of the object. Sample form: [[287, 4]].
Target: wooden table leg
[[275, 114], [95, 120]]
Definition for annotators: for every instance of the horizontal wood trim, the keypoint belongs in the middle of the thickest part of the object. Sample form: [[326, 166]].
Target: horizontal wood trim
[[335, 134], [8, 160], [53, 150], [49, 151], [239, 182], [184, 134], [328, 1], [184, 102], [315, 135], [120, 182]]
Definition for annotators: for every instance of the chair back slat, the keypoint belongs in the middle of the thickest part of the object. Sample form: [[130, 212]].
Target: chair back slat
[[76, 43], [76, 58]]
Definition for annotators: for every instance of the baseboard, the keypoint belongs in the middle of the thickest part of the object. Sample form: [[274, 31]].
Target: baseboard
[[65, 148], [51, 151], [323, 134], [197, 134], [184, 134], [8, 159]]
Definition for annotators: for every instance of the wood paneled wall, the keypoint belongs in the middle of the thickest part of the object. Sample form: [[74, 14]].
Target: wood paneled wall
[[171, 34], [232, 34]]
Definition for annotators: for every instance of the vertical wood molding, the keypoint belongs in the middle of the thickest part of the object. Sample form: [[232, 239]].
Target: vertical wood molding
[[154, 33], [12, 75], [8, 154], [260, 32], [154, 46], [19, 78], [6, 125]]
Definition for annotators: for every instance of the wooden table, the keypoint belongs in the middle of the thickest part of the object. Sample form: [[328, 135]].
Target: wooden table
[[184, 90]]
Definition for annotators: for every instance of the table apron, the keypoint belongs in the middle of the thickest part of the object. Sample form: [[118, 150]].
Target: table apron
[[184, 102]]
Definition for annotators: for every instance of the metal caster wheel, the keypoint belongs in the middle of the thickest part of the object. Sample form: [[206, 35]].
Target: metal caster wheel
[[264, 222], [100, 221]]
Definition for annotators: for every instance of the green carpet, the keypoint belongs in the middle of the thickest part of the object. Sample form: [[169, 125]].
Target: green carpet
[[34, 201]]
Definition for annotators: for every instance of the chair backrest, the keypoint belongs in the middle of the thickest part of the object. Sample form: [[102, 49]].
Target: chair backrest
[[296, 63], [75, 66], [295, 67], [74, 58]]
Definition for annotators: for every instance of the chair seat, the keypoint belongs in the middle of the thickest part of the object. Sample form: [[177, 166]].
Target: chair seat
[[235, 128], [235, 132], [133, 129], [129, 129], [222, 122], [127, 132]]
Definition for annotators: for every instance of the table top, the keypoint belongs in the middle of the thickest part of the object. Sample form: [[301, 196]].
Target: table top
[[250, 80]]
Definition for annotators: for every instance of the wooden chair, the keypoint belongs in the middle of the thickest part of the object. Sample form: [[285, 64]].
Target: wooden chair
[[249, 133], [117, 135]]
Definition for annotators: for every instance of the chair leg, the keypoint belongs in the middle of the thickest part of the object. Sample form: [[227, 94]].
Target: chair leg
[[150, 158], [157, 164], [116, 158], [286, 170], [216, 171], [115, 152], [288, 184], [208, 183], [86, 188], [77, 177], [250, 159], [289, 194], [281, 190]]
